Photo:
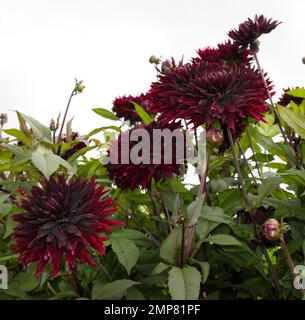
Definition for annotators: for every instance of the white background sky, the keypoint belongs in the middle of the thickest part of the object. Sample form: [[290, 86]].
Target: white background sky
[[46, 43]]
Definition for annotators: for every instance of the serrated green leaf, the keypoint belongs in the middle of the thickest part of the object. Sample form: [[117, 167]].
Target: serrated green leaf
[[184, 284], [126, 251]]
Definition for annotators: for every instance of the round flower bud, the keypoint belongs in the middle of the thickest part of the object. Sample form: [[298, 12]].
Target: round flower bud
[[271, 229], [79, 87], [214, 137], [154, 60]]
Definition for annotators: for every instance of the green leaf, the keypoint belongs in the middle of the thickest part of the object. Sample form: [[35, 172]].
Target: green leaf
[[160, 267], [295, 120], [184, 284], [204, 227], [215, 214], [194, 210], [267, 187], [167, 251], [269, 145], [10, 225], [20, 136], [146, 118], [40, 131], [112, 290], [97, 130], [294, 176], [126, 251], [79, 153], [299, 93], [134, 294], [205, 269], [47, 162], [224, 240], [107, 114]]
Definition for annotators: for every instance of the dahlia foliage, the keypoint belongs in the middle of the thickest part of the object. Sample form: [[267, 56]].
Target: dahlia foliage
[[194, 191]]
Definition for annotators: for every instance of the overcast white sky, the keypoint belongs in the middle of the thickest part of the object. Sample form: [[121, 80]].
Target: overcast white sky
[[46, 43]]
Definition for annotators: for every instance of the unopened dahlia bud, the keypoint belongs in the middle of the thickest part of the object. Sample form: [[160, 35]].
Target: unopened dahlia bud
[[3, 119], [52, 125], [272, 229], [79, 87], [214, 137], [154, 60], [303, 60]]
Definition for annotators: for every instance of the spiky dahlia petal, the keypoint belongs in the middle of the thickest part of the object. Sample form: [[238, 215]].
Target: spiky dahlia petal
[[62, 219], [226, 54], [250, 30], [286, 98], [131, 176], [204, 92]]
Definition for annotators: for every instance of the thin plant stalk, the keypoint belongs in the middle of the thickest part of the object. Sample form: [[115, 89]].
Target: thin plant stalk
[[246, 161], [73, 93], [157, 212], [246, 198], [237, 167], [277, 119], [254, 155], [289, 260]]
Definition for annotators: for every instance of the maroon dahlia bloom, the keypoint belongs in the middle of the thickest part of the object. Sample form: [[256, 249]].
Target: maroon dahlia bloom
[[62, 219], [286, 98], [124, 108], [202, 93], [130, 175], [250, 30], [227, 54], [77, 144]]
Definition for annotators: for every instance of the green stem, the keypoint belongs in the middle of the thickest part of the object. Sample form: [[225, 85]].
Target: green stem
[[277, 119], [239, 174], [289, 259], [73, 93], [253, 152], [246, 162]]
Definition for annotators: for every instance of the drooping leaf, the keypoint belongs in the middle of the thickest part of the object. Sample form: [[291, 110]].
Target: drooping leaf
[[267, 187], [126, 251], [47, 162], [40, 131], [194, 210], [184, 284]]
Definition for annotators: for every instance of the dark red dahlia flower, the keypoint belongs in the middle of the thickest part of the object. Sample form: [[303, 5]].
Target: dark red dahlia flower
[[227, 54], [62, 219], [250, 30], [128, 174], [202, 93], [124, 108], [286, 98]]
